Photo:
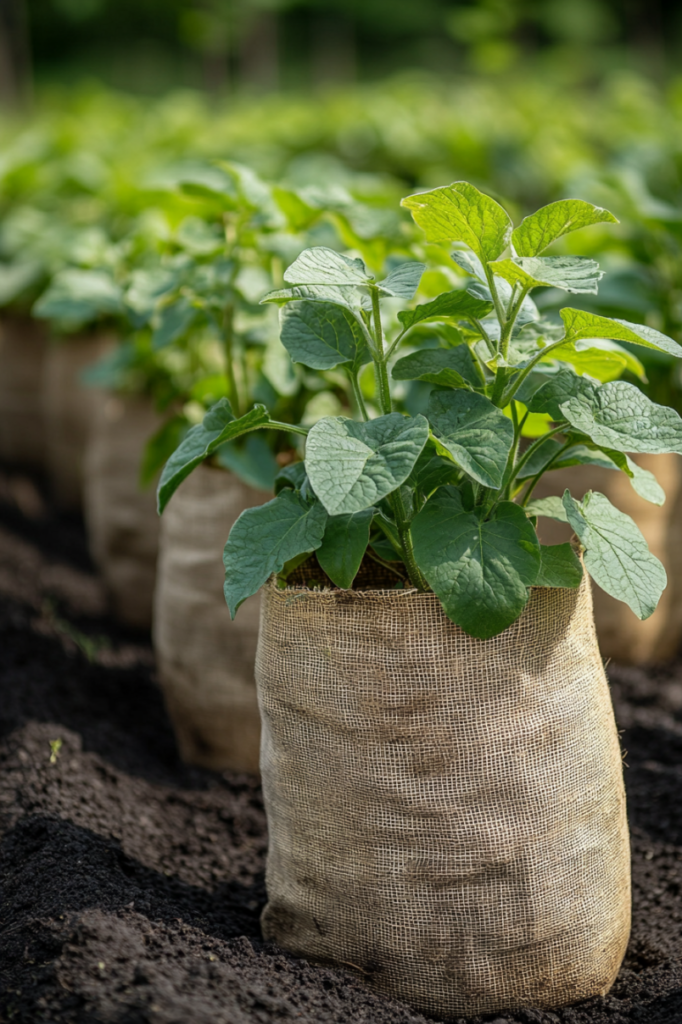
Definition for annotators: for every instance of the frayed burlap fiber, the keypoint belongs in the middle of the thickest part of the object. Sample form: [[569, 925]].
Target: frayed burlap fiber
[[205, 661], [446, 815]]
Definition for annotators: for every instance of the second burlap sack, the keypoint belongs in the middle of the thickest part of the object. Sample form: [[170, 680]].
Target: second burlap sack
[[205, 661], [120, 516], [622, 636], [69, 407], [446, 816], [23, 345]]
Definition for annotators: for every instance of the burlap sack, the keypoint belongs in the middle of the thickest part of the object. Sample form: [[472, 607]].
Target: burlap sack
[[205, 661], [69, 407], [446, 815], [121, 518], [622, 636], [23, 343]]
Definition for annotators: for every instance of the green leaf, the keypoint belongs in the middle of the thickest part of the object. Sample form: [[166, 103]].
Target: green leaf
[[550, 508], [351, 466], [292, 476], [476, 433], [543, 227], [345, 541], [600, 358], [80, 296], [643, 482], [251, 459], [341, 296], [460, 213], [326, 266], [580, 324], [560, 567], [616, 554], [620, 416], [322, 335], [559, 388], [448, 367], [403, 281], [263, 539], [432, 471], [480, 569], [570, 273], [458, 304], [173, 321], [219, 425]]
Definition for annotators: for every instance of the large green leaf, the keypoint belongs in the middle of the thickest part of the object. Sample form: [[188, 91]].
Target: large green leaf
[[480, 569], [345, 541], [448, 367], [476, 433], [559, 388], [643, 482], [570, 273], [458, 304], [550, 508], [560, 567], [351, 466], [264, 538], [460, 213], [620, 416], [347, 296], [543, 227], [326, 266], [403, 282], [219, 425], [322, 335], [580, 324], [616, 554], [600, 358]]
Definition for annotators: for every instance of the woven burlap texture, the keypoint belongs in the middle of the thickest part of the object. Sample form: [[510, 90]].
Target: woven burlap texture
[[205, 661], [446, 815], [69, 408], [23, 343], [120, 516], [622, 636]]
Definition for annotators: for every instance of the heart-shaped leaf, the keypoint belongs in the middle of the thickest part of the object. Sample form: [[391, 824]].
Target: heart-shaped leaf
[[560, 567], [219, 425], [460, 213], [345, 541], [543, 227], [448, 367], [476, 433], [322, 335], [479, 568], [570, 273], [616, 554], [263, 539], [351, 466], [326, 266], [620, 416], [580, 324]]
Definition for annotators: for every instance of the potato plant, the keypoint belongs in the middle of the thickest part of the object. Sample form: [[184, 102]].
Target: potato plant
[[449, 494]]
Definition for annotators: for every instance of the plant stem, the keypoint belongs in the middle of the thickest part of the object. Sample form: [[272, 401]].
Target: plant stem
[[382, 563], [380, 368], [499, 308], [518, 381], [228, 341], [357, 394], [413, 570], [292, 428], [533, 483], [531, 450]]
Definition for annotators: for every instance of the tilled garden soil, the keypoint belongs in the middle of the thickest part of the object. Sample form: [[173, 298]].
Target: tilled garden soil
[[131, 886]]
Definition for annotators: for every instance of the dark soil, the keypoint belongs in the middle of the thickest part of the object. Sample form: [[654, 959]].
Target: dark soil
[[132, 885]]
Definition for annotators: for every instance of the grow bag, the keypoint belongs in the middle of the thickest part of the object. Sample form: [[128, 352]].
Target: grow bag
[[22, 354], [622, 636], [446, 815], [69, 408], [121, 518], [205, 661]]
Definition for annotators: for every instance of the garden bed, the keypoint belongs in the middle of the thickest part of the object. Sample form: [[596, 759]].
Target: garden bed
[[132, 885]]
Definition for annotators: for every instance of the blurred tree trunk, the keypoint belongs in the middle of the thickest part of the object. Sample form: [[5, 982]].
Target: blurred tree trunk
[[259, 53], [333, 55], [15, 62]]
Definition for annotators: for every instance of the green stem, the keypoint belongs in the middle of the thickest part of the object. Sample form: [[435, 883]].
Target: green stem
[[292, 428], [396, 341], [499, 308], [382, 563], [413, 570], [357, 394], [514, 310], [535, 480], [380, 368], [531, 450], [518, 381]]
